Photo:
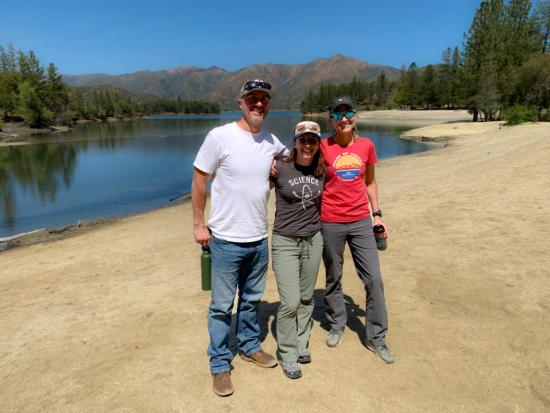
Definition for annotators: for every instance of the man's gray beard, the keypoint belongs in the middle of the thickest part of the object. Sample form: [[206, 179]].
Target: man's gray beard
[[256, 121]]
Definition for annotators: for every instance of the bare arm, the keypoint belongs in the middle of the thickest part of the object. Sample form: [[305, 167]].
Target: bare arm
[[272, 173], [372, 192], [198, 200]]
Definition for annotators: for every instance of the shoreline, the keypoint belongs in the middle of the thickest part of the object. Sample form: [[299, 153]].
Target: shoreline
[[20, 134], [115, 319], [406, 118], [441, 132], [44, 235]]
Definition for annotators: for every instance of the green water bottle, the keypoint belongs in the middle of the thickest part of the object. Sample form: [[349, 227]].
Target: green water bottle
[[206, 268]]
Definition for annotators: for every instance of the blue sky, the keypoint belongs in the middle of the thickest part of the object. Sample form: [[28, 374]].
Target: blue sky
[[126, 36]]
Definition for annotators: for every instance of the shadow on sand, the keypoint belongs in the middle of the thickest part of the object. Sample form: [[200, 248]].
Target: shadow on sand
[[267, 318]]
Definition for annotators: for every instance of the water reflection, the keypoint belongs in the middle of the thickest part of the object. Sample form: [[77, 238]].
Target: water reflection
[[109, 169], [36, 169]]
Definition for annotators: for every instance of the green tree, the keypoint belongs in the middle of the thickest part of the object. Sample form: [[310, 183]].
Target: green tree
[[9, 83], [532, 85], [54, 92], [30, 69], [457, 92], [31, 108], [521, 39], [77, 105], [429, 87], [400, 96], [412, 86], [483, 38], [382, 89], [487, 99], [445, 75], [9, 61], [543, 14]]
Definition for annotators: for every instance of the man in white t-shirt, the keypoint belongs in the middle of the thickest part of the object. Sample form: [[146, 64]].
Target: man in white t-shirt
[[237, 157]]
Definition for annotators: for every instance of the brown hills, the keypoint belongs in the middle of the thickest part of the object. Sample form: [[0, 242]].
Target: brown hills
[[290, 82]]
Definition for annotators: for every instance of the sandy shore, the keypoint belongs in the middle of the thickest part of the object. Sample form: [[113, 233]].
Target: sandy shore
[[113, 319], [413, 118]]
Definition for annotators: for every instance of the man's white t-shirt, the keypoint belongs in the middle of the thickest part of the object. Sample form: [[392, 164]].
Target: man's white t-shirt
[[240, 163]]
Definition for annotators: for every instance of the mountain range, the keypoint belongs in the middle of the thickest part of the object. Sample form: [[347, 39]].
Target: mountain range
[[290, 82]]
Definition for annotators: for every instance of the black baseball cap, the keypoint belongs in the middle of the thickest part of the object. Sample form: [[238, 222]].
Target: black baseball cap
[[344, 100]]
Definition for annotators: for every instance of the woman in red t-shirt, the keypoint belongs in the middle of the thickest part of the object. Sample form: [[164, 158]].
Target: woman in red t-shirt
[[346, 218]]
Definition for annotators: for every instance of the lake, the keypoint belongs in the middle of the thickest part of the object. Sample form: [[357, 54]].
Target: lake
[[113, 169]]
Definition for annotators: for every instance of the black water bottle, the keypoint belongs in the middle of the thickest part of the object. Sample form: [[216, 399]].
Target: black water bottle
[[206, 268], [381, 242]]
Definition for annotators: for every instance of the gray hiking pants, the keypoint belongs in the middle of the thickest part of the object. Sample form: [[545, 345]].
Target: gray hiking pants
[[360, 238], [296, 263]]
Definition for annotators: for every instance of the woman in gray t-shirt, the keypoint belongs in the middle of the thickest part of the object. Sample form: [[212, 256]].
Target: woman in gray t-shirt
[[297, 244]]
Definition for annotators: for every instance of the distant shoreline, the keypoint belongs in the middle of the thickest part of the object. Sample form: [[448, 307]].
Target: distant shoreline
[[50, 234], [405, 118], [20, 134]]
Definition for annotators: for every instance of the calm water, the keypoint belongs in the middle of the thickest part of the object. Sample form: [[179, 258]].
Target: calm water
[[104, 170]]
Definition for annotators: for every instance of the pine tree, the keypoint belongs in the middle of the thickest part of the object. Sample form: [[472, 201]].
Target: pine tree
[[400, 96], [429, 87], [445, 74], [9, 82], [457, 76], [412, 86], [31, 108], [30, 69], [532, 84], [382, 89], [543, 14], [483, 39], [54, 92]]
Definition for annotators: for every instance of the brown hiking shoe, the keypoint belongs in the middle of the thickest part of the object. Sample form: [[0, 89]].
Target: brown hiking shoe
[[222, 385], [261, 358]]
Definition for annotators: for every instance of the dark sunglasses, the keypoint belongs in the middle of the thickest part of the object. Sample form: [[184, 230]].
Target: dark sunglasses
[[256, 84], [311, 141], [338, 116]]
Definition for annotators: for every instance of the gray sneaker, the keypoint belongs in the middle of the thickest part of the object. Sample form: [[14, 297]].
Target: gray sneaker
[[304, 356], [291, 369], [383, 352], [334, 337]]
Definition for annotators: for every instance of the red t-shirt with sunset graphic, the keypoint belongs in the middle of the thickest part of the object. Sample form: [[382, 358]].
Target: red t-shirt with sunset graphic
[[345, 194]]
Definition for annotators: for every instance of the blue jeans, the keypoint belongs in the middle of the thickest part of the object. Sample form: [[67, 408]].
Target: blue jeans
[[241, 265]]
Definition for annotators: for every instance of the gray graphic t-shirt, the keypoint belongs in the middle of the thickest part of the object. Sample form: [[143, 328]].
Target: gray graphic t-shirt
[[298, 200]]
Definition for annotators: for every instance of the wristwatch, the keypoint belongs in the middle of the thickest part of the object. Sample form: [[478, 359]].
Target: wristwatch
[[377, 213]]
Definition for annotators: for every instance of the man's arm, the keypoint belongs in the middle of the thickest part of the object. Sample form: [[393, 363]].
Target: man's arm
[[372, 193], [198, 200]]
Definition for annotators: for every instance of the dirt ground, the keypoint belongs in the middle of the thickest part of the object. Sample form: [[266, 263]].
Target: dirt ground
[[114, 320]]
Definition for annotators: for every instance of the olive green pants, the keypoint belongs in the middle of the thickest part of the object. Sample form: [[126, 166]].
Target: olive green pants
[[296, 264]]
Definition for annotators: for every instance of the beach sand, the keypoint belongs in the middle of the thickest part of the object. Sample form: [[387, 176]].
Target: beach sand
[[114, 320], [413, 118]]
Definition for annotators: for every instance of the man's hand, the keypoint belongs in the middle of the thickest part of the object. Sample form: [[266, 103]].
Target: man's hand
[[202, 235]]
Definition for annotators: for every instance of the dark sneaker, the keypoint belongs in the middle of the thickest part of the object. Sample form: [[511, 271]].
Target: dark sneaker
[[222, 385], [291, 369], [304, 356], [261, 358], [334, 337], [383, 352]]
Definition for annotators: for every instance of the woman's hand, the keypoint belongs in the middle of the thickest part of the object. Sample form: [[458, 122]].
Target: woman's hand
[[273, 171], [378, 221]]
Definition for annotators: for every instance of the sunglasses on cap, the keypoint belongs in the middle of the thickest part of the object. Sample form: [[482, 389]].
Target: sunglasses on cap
[[256, 84], [308, 140], [338, 116]]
